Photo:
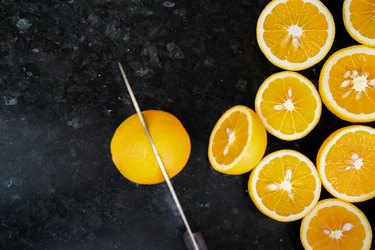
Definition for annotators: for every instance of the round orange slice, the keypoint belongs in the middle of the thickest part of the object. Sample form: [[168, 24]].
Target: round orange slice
[[359, 20], [346, 163], [295, 34], [285, 185], [288, 105], [237, 142], [347, 83], [335, 225]]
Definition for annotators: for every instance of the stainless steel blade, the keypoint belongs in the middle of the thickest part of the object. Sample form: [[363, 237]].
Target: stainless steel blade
[[158, 159]]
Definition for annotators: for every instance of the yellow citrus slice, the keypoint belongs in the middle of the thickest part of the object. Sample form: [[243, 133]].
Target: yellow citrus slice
[[285, 185], [132, 153], [335, 225], [346, 163], [288, 105], [359, 20], [237, 142], [347, 83], [295, 34]]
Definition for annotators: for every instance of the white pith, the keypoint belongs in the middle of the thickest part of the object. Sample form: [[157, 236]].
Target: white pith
[[353, 81], [285, 185]]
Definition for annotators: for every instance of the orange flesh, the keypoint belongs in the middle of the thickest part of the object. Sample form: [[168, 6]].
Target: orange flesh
[[331, 219], [239, 124], [306, 16], [302, 181], [288, 122], [351, 181], [363, 17], [365, 66]]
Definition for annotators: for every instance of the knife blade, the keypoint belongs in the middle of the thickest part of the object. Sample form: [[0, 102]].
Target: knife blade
[[193, 241]]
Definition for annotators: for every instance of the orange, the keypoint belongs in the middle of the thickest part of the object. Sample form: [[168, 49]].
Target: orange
[[346, 163], [295, 34], [359, 20], [132, 153], [288, 105], [335, 225], [285, 185], [347, 83], [237, 142]]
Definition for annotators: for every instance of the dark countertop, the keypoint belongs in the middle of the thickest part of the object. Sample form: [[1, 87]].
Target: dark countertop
[[61, 98]]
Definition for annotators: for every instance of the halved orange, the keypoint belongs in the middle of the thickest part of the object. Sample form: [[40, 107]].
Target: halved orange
[[346, 163], [285, 185], [359, 20], [295, 34], [347, 83], [335, 225], [237, 142], [288, 105]]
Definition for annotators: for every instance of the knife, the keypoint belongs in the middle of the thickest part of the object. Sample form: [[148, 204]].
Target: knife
[[193, 241]]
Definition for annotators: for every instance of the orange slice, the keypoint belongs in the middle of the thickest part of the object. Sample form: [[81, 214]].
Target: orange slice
[[359, 20], [288, 105], [335, 225], [237, 142], [347, 83], [346, 163], [295, 34], [285, 185]]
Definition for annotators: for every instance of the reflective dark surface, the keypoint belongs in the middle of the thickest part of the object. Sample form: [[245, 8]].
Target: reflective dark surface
[[61, 98]]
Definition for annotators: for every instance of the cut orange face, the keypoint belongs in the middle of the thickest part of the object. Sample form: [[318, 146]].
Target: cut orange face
[[359, 20], [295, 34], [346, 163], [288, 105], [285, 185], [347, 83], [335, 225], [237, 142]]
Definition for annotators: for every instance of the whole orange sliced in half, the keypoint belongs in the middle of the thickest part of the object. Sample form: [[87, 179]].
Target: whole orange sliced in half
[[346, 163], [285, 185], [335, 225], [288, 105], [359, 20], [237, 142], [347, 83], [132, 153], [295, 34]]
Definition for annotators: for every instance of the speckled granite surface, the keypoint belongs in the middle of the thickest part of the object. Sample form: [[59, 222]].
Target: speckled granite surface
[[61, 98]]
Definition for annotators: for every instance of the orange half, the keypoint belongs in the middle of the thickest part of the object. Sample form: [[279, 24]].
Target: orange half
[[335, 225], [346, 163]]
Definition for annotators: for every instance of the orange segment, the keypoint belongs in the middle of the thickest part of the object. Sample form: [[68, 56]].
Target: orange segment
[[335, 225], [359, 20], [237, 142], [347, 84], [346, 163], [288, 105], [284, 185], [295, 34]]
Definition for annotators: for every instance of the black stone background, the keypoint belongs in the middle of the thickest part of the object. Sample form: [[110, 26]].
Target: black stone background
[[61, 98]]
